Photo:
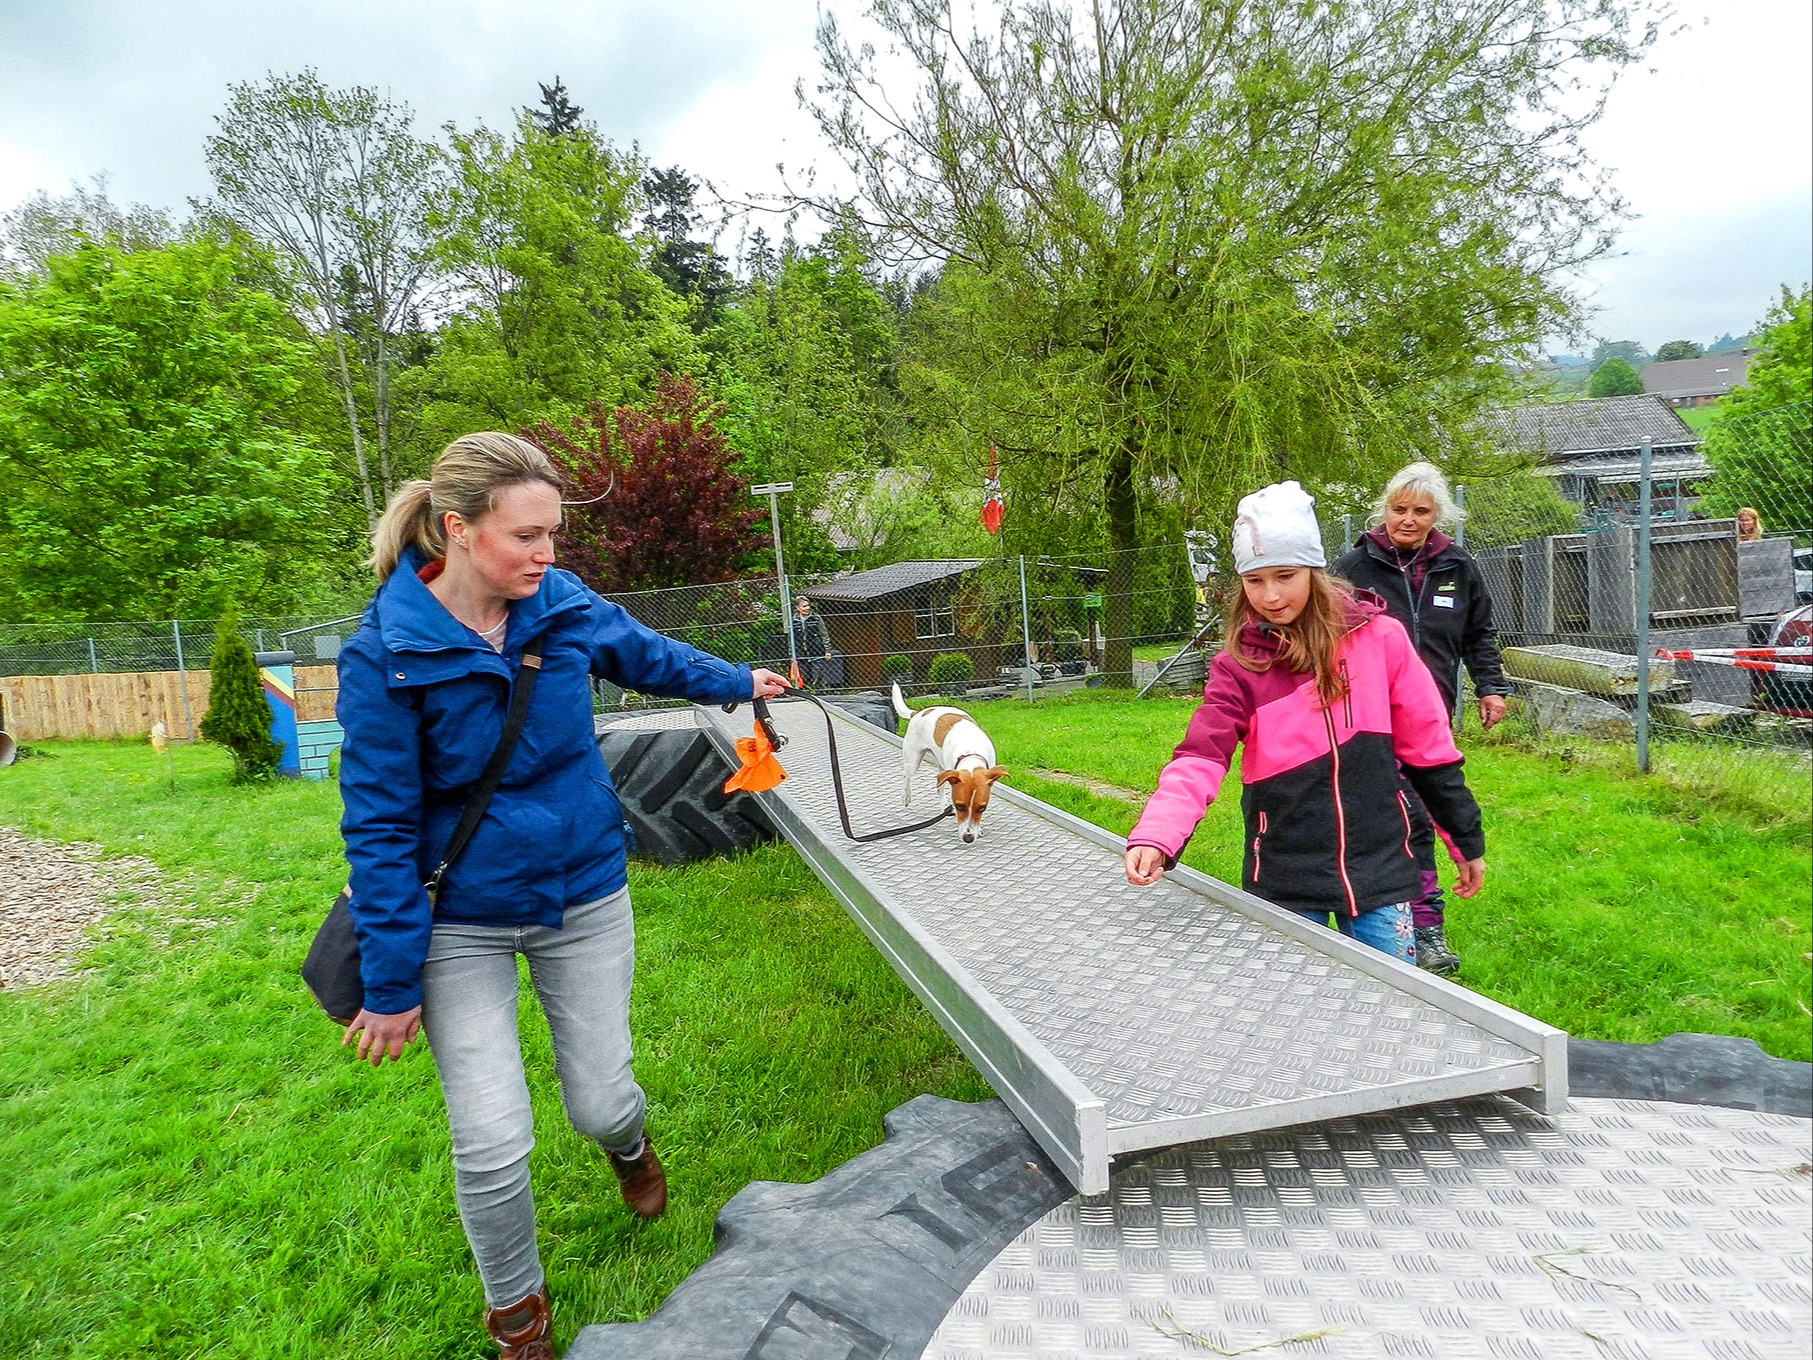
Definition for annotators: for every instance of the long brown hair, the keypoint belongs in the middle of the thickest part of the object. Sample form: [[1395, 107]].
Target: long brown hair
[[1310, 640]]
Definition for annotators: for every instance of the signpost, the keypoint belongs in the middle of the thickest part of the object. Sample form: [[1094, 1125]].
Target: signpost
[[774, 491]]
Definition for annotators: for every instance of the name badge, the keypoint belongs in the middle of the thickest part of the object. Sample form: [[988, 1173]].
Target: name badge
[[1444, 602]]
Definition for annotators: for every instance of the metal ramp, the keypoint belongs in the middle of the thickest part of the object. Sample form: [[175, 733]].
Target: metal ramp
[[1114, 1019]]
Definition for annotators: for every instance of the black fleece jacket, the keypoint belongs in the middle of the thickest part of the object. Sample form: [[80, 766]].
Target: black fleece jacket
[[1449, 618]]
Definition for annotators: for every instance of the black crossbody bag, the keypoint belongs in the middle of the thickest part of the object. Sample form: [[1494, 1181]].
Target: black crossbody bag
[[331, 969]]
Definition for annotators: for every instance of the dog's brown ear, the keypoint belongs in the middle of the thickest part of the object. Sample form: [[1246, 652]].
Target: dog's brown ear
[[998, 772], [949, 777]]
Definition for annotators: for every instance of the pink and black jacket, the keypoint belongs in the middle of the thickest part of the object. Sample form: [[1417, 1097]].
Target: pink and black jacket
[[1326, 826]]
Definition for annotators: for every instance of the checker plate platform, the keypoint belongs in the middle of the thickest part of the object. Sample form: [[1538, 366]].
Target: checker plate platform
[[1114, 1019], [1620, 1230]]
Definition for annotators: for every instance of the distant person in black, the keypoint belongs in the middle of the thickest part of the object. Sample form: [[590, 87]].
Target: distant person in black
[[1432, 587], [811, 643]]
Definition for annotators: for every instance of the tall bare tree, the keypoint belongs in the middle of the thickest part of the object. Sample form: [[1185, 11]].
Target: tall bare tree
[[336, 181], [1188, 245]]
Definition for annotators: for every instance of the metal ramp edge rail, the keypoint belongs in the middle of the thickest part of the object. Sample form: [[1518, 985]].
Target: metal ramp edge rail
[[1069, 1117]]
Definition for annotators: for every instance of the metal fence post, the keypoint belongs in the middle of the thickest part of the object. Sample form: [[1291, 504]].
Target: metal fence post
[[1643, 585], [1460, 522], [182, 677], [1025, 631], [94, 661]]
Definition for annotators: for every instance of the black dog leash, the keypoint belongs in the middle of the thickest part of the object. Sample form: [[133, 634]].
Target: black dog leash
[[776, 740]]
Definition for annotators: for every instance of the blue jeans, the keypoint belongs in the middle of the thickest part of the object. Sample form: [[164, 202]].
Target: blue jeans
[[581, 975], [1386, 929]]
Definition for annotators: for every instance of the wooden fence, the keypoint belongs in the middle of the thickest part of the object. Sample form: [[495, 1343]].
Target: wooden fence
[[100, 707]]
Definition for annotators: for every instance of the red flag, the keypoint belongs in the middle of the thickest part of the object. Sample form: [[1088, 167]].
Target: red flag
[[993, 507]]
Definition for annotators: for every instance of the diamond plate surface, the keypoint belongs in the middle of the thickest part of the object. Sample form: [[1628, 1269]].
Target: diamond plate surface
[[655, 720], [1166, 1005], [1476, 1230]]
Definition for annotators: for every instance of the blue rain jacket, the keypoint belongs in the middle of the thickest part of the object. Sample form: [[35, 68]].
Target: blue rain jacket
[[422, 699]]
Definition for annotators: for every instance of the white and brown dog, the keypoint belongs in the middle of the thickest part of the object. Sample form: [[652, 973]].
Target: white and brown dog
[[965, 757]]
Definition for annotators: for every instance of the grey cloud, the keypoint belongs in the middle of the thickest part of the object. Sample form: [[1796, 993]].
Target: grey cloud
[[131, 89], [1696, 273]]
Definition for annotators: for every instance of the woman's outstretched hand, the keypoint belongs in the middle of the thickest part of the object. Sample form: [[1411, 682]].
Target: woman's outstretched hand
[[768, 685], [1145, 864], [383, 1036]]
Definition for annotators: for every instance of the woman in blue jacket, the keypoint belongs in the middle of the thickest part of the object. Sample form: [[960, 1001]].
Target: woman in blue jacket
[[467, 578]]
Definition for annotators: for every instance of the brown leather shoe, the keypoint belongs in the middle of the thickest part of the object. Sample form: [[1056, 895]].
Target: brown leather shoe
[[523, 1331], [643, 1181]]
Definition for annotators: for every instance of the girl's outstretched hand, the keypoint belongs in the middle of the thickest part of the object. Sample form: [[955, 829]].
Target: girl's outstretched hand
[[1469, 877], [1145, 864]]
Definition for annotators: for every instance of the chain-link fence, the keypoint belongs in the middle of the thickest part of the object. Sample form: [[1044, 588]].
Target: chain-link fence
[[1703, 566], [159, 644], [979, 626]]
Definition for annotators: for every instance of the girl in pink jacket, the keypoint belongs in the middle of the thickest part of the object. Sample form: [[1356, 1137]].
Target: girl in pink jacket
[[1329, 698]]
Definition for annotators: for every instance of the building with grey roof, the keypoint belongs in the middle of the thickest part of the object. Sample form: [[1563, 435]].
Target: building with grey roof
[[1592, 449], [1697, 382]]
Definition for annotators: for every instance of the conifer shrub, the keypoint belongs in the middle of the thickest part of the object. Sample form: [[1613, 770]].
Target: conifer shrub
[[238, 717], [897, 669]]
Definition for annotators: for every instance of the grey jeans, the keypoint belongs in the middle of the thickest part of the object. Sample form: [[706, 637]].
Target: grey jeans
[[581, 974]]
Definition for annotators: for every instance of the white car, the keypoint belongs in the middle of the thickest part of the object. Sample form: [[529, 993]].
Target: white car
[[1803, 573]]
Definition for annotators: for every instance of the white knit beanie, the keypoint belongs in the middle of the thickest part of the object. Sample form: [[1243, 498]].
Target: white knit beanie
[[1276, 527]]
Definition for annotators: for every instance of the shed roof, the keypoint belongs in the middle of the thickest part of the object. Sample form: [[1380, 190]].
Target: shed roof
[[890, 580], [1622, 467], [1564, 430]]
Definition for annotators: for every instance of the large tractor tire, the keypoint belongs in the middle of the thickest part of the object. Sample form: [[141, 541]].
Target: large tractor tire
[[671, 785]]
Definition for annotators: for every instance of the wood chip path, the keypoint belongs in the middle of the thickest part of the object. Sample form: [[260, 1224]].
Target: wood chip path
[[51, 893]]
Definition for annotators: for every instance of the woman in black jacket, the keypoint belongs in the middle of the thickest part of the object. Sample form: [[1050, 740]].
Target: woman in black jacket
[[1432, 587]]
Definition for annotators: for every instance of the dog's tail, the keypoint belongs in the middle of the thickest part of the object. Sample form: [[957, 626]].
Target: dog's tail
[[901, 710]]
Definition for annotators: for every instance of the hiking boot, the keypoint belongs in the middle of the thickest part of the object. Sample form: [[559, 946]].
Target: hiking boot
[[644, 1183], [1433, 954], [523, 1331]]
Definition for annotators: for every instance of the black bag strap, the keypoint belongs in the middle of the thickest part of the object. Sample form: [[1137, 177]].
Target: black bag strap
[[520, 690]]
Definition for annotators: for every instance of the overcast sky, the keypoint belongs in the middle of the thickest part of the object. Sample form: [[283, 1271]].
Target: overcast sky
[[1713, 147]]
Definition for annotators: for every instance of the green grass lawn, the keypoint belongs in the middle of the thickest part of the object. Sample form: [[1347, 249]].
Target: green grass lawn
[[190, 1165]]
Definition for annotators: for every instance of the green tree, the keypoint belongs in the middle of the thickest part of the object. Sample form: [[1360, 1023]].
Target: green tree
[[1615, 378], [148, 411], [1631, 351], [1679, 349], [804, 364], [1760, 442], [558, 307], [1515, 508], [43, 226], [1189, 247], [692, 269], [558, 113], [238, 717], [337, 184]]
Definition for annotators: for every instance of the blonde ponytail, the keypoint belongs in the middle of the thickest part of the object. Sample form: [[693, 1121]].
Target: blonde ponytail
[[465, 480], [408, 521]]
